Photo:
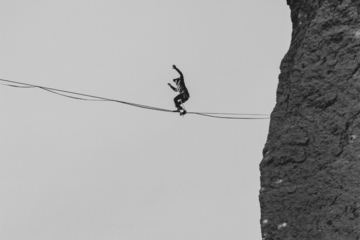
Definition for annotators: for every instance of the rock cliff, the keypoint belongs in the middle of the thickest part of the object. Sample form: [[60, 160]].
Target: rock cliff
[[310, 171]]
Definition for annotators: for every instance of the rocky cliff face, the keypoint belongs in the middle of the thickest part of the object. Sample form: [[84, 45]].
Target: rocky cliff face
[[310, 173]]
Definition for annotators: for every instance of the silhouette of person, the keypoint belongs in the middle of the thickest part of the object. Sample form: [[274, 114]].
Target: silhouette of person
[[183, 92]]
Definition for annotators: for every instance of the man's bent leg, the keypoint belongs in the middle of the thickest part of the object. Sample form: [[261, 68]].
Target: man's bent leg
[[178, 101]]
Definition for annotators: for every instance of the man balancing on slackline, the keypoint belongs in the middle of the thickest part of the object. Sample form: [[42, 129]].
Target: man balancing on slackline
[[183, 92]]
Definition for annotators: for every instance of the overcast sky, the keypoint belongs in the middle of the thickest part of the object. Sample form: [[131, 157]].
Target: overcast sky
[[81, 170]]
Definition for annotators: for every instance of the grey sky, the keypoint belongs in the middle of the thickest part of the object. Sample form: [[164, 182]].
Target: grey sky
[[95, 170]]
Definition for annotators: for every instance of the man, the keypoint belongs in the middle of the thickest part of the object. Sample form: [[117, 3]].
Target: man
[[183, 92]]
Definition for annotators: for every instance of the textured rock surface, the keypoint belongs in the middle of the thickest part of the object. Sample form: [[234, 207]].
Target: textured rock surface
[[310, 173]]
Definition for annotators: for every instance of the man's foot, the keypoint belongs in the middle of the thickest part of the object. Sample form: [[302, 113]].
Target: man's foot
[[183, 112], [178, 109]]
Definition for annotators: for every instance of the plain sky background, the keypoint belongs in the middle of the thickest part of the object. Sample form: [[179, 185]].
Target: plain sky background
[[80, 170]]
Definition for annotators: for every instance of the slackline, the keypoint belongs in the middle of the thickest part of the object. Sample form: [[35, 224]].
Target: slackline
[[80, 96]]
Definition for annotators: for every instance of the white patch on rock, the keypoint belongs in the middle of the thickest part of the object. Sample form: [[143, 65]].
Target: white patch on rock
[[279, 181], [264, 236], [266, 158], [357, 34], [265, 221], [282, 225]]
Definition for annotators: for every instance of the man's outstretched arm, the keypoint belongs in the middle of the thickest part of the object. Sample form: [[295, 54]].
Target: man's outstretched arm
[[181, 75], [173, 88]]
